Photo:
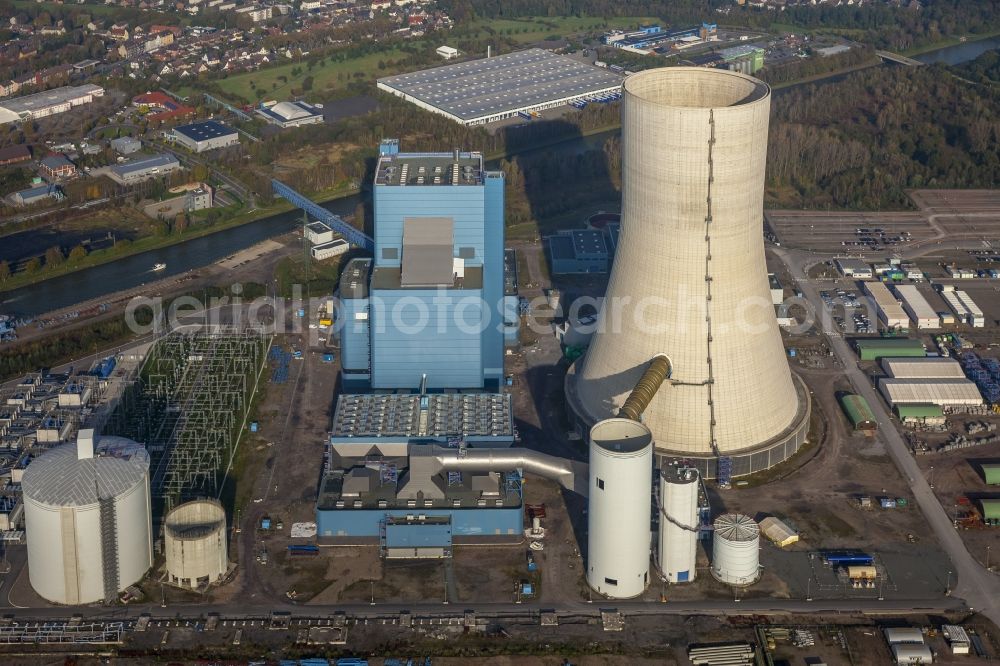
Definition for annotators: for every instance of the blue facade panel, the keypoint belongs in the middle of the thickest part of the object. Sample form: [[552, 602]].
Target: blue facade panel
[[418, 535], [463, 203], [493, 340], [424, 331], [464, 522], [354, 335]]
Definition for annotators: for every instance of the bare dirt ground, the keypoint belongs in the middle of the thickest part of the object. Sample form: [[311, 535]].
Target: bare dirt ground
[[957, 476], [280, 475]]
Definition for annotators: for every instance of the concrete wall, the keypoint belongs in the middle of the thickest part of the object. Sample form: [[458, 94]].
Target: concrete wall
[[674, 178]]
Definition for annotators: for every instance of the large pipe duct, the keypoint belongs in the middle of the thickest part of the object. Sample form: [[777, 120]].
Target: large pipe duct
[[646, 388], [568, 473]]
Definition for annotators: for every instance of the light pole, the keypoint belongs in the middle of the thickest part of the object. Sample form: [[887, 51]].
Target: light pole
[[809, 589], [373, 594], [947, 588], [987, 558]]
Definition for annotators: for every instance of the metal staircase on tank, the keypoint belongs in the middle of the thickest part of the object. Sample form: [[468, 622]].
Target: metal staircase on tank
[[109, 547], [724, 476]]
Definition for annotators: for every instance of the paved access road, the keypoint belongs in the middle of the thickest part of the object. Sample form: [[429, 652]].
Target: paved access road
[[978, 587], [645, 608]]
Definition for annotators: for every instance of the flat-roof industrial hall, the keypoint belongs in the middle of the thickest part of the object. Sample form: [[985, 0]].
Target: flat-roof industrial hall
[[491, 89]]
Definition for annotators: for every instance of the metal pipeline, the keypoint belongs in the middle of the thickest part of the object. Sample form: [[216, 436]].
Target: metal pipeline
[[568, 473], [646, 388]]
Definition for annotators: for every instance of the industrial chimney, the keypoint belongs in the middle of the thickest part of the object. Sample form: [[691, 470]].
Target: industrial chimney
[[689, 280]]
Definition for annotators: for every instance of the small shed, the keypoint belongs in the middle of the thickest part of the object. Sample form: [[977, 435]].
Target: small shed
[[859, 412], [911, 654], [778, 532], [957, 637], [926, 413], [862, 573], [903, 635], [991, 472], [991, 511], [872, 349]]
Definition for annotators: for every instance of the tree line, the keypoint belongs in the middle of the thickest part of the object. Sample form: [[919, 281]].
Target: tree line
[[863, 141]]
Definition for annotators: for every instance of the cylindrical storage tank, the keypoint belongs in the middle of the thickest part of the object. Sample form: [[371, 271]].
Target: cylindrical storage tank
[[620, 496], [678, 537], [736, 549], [195, 543], [87, 517]]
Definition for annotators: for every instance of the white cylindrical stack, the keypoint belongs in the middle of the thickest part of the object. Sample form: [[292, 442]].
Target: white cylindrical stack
[[678, 538], [736, 549], [621, 486]]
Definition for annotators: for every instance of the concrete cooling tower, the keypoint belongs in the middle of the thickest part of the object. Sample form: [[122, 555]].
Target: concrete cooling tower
[[689, 279]]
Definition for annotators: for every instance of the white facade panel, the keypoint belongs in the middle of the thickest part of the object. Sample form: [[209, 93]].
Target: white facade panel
[[619, 513], [920, 311], [889, 310], [678, 536], [736, 549], [942, 392], [923, 368]]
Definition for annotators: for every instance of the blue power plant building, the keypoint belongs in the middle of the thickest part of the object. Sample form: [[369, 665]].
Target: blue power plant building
[[429, 309], [399, 473]]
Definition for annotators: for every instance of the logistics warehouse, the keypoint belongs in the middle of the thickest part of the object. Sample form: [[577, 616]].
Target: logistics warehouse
[[491, 89]]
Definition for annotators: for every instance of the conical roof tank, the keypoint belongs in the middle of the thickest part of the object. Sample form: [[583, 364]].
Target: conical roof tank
[[689, 278]]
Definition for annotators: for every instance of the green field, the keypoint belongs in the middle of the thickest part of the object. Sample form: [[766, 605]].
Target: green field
[[335, 74], [528, 30], [328, 76], [331, 75]]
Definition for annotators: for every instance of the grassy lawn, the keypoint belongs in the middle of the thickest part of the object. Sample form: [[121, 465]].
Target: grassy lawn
[[112, 11], [325, 76], [336, 74], [534, 29]]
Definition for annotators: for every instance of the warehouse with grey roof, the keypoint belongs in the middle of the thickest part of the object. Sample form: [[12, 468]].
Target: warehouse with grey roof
[[142, 169], [491, 89]]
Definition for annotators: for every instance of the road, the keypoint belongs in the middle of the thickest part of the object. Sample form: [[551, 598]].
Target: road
[[978, 587], [635, 608]]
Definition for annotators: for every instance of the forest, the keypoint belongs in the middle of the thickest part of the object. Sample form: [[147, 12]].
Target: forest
[[862, 141]]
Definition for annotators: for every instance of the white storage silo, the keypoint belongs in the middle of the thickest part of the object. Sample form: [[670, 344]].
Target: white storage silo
[[195, 543], [736, 549], [87, 516], [678, 536], [620, 496]]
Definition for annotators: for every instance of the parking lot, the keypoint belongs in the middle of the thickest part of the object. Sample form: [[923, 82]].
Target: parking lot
[[943, 218]]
